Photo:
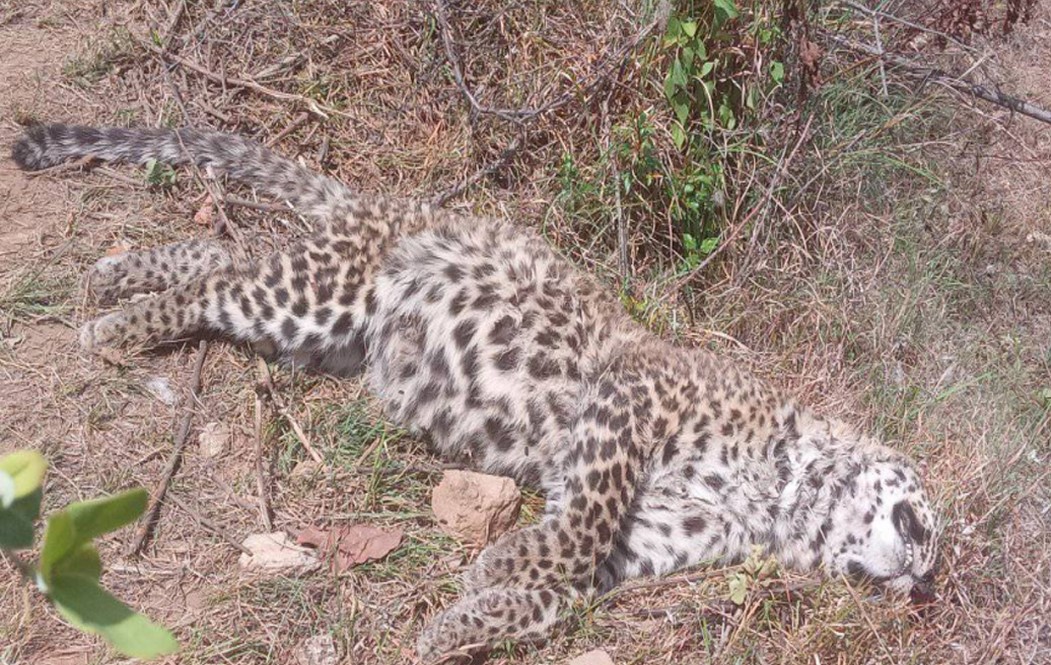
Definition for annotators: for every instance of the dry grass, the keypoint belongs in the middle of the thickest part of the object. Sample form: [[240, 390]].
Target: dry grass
[[889, 282]]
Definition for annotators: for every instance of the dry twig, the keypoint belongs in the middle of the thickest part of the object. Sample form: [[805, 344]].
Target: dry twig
[[145, 531], [208, 525], [315, 106], [506, 155], [257, 459], [932, 75], [267, 383]]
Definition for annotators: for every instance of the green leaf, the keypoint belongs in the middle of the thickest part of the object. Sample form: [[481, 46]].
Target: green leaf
[[68, 529], [674, 29], [21, 474], [724, 11], [16, 526], [682, 111], [708, 245], [669, 86], [91, 609], [100, 516], [82, 562], [738, 588], [690, 28], [777, 71], [678, 135], [687, 56], [158, 174], [689, 242], [59, 540], [707, 68]]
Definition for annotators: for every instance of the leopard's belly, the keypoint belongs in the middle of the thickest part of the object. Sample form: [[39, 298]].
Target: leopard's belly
[[480, 340]]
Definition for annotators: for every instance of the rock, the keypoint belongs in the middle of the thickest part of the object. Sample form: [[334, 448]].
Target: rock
[[214, 439], [160, 388], [317, 650], [596, 657], [274, 553], [474, 507]]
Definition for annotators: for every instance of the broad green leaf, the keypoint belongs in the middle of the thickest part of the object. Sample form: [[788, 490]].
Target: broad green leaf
[[82, 521], [91, 609], [724, 11], [21, 474], [60, 539], [687, 56], [669, 86], [674, 27], [678, 135], [777, 71], [707, 68], [689, 27], [16, 531], [100, 516], [84, 561], [689, 242], [708, 245]]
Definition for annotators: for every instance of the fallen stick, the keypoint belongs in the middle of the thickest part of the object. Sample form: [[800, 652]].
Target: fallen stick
[[257, 455], [932, 75], [267, 382], [145, 532]]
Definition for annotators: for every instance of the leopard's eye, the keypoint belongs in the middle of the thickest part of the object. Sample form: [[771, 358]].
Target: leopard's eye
[[907, 524]]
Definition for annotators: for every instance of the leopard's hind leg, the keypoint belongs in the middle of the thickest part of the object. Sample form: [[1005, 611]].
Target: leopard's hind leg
[[158, 269], [307, 304]]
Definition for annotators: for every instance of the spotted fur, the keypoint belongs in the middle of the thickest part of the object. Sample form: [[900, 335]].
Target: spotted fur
[[475, 334]]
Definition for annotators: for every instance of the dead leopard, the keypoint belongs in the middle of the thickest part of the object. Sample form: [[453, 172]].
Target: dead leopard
[[474, 333]]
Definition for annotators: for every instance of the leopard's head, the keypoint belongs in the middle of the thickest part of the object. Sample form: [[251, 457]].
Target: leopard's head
[[884, 530]]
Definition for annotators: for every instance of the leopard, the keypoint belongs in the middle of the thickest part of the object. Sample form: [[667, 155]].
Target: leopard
[[477, 335]]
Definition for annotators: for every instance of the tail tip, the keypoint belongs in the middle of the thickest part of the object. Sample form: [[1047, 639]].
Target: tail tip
[[29, 150]]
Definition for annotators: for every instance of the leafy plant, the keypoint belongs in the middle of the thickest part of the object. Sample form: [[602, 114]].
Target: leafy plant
[[756, 567], [69, 566], [159, 174]]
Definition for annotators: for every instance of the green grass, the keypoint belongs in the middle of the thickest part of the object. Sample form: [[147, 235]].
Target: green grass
[[38, 293]]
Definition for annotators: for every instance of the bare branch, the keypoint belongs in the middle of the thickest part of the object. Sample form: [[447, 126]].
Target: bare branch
[[931, 75]]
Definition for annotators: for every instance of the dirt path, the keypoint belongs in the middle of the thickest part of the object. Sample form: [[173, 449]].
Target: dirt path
[[34, 218], [30, 60]]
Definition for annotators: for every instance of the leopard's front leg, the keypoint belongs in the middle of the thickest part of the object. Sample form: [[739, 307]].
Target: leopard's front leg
[[558, 557]]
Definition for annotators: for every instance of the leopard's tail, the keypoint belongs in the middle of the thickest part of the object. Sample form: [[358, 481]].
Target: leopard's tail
[[241, 159]]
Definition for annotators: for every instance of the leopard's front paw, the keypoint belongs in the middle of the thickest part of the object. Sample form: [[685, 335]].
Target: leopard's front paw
[[104, 332], [106, 280], [453, 636]]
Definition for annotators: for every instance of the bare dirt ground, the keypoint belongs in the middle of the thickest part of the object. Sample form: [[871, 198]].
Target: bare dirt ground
[[927, 320]]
